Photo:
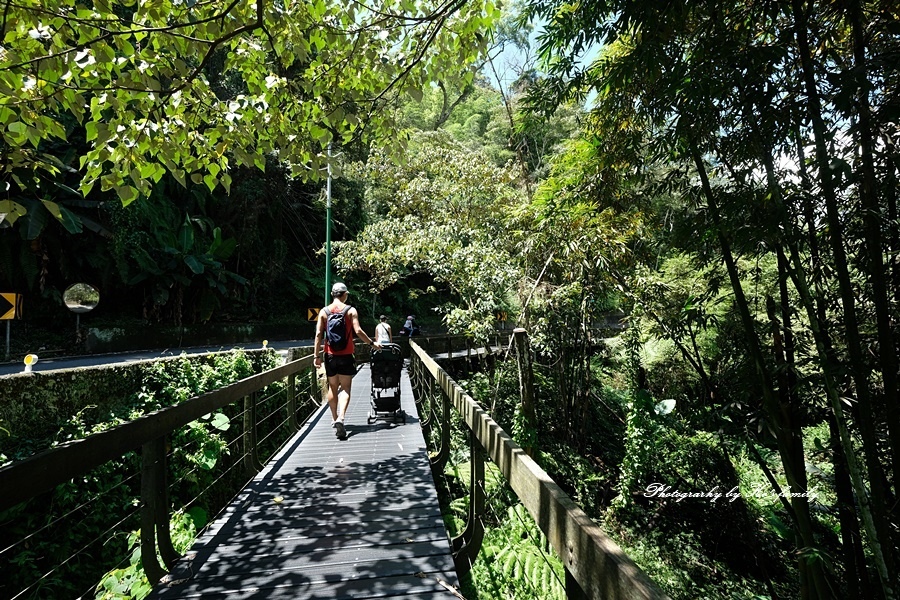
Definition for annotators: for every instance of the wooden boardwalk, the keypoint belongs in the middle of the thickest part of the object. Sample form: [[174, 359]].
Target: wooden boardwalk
[[329, 519]]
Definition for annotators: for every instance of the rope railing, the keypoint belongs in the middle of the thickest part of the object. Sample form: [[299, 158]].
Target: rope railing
[[263, 410], [595, 567]]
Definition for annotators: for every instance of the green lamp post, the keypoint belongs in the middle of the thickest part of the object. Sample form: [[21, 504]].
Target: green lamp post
[[328, 232]]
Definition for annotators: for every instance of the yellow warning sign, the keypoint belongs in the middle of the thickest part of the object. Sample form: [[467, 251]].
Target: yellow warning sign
[[501, 315], [15, 310], [312, 313]]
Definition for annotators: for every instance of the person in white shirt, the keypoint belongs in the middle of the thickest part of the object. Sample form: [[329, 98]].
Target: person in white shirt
[[383, 331]]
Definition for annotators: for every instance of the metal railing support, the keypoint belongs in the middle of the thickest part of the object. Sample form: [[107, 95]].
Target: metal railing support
[[440, 460], [153, 464], [292, 421], [251, 455], [467, 544], [163, 531], [427, 417]]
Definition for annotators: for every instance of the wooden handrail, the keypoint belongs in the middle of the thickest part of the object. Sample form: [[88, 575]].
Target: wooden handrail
[[600, 567], [42, 472]]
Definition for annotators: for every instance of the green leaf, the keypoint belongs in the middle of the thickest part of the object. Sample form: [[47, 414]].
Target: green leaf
[[186, 238], [199, 516], [127, 194], [225, 249], [193, 264], [70, 220], [220, 422]]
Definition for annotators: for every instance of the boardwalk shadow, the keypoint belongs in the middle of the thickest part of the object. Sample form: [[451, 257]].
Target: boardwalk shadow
[[328, 519]]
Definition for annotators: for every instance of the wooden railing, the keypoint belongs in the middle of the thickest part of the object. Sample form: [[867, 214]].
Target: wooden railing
[[441, 347], [298, 395], [595, 566]]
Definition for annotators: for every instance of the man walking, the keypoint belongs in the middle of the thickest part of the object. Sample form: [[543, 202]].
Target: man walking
[[335, 326]]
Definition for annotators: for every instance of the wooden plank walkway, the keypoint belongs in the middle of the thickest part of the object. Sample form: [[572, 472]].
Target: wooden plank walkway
[[358, 519]]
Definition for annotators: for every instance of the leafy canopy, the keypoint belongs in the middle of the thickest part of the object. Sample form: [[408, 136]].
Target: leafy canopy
[[194, 88], [442, 212]]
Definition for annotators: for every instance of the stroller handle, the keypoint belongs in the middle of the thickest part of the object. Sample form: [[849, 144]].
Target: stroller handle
[[386, 347]]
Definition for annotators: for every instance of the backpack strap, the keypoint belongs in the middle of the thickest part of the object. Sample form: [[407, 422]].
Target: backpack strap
[[343, 311]]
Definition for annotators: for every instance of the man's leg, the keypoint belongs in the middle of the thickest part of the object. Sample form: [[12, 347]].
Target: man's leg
[[343, 398], [332, 395], [338, 400]]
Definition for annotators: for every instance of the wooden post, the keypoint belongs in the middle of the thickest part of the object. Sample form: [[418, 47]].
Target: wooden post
[[468, 357], [526, 384]]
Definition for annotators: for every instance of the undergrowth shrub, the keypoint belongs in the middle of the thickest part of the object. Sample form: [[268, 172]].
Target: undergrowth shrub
[[686, 523], [94, 519], [517, 562]]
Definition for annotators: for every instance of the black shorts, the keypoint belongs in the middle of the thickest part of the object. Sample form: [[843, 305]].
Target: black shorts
[[344, 364]]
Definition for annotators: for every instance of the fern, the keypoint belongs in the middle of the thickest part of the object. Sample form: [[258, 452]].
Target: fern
[[516, 562]]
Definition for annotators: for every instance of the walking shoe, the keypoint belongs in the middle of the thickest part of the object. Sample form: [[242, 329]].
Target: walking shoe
[[339, 430]]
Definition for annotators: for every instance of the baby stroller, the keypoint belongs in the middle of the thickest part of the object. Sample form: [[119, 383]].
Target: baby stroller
[[386, 364]]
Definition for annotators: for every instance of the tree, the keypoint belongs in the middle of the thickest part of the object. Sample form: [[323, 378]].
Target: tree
[[734, 98], [441, 212], [194, 89]]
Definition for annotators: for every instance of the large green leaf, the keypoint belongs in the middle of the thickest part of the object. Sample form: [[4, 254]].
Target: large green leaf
[[186, 238], [193, 264]]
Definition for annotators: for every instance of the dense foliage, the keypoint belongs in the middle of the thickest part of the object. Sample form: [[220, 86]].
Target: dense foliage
[[692, 209], [769, 128], [183, 106], [193, 89], [733, 189], [87, 526]]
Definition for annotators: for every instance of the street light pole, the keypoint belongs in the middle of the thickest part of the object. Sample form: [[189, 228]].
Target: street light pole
[[328, 232]]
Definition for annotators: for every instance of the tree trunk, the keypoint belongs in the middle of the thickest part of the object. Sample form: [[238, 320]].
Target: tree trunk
[[880, 536], [526, 387], [447, 107], [812, 575], [890, 188], [858, 585], [874, 243]]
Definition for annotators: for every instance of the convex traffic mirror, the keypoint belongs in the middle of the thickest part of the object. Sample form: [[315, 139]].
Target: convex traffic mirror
[[81, 298]]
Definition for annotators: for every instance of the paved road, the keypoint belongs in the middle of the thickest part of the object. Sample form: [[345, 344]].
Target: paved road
[[91, 360]]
